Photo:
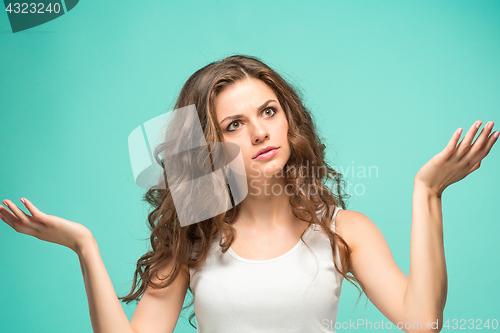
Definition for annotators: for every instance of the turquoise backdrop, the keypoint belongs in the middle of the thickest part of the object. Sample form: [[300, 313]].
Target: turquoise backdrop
[[388, 83]]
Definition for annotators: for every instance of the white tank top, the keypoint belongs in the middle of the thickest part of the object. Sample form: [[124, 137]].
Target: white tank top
[[298, 291]]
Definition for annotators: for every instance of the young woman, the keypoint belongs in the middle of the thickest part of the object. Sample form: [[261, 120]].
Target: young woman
[[267, 264]]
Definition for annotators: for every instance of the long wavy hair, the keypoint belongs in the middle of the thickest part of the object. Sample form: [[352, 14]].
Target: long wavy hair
[[188, 246]]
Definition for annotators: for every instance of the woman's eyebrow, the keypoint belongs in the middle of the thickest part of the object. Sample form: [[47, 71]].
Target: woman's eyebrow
[[236, 116]]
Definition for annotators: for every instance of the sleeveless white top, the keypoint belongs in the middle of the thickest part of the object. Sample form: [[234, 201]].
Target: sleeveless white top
[[298, 291]]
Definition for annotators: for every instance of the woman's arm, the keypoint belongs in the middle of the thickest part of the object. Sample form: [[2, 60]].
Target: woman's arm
[[107, 315], [427, 280], [425, 295], [158, 309], [106, 312], [409, 302]]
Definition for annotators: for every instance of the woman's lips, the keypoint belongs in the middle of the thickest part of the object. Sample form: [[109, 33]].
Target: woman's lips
[[267, 154]]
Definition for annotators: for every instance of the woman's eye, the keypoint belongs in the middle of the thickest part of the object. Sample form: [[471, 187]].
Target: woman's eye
[[234, 122], [237, 121], [272, 109]]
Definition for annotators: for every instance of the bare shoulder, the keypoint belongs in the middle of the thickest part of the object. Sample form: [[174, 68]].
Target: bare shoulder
[[354, 227], [372, 263]]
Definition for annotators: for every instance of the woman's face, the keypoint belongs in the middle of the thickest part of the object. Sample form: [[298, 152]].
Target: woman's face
[[250, 116]]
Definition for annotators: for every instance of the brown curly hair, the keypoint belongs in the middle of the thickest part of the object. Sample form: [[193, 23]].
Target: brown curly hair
[[188, 246]]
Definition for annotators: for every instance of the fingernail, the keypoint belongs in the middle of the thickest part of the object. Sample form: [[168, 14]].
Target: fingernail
[[495, 135], [22, 200], [459, 131], [490, 125], [5, 203], [478, 124]]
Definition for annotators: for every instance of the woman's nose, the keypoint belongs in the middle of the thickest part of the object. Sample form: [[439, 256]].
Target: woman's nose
[[260, 133]]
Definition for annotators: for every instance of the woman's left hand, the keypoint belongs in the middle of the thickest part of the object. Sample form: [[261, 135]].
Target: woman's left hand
[[454, 163]]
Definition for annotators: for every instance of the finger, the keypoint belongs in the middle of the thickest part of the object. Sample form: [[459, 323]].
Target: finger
[[22, 218], [480, 141], [465, 144], [33, 210], [17, 212], [6, 213], [486, 149], [6, 221], [9, 218], [452, 144], [491, 141]]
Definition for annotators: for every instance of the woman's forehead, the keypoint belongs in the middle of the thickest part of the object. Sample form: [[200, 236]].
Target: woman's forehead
[[243, 96]]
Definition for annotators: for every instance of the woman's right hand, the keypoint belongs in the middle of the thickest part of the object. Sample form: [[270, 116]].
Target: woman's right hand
[[48, 228]]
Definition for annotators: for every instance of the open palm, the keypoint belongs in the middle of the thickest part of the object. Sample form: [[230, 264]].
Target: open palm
[[454, 163], [45, 227]]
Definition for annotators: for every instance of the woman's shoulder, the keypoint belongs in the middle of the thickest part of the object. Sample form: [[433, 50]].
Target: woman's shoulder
[[353, 226]]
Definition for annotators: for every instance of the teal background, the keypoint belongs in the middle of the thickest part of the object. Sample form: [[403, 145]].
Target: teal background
[[388, 83]]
